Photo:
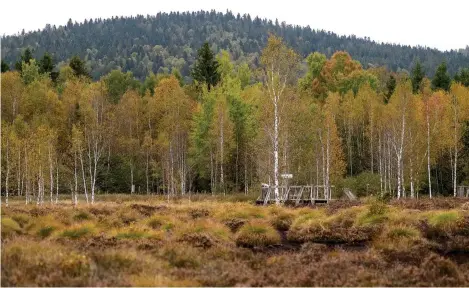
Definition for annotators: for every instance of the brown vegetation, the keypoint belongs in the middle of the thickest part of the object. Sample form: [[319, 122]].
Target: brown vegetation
[[216, 243]]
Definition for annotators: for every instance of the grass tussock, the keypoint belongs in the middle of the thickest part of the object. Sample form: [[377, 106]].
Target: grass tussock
[[10, 227], [79, 231], [257, 233], [148, 241], [44, 264]]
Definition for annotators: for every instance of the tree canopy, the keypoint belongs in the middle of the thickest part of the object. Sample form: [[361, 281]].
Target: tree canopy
[[158, 43]]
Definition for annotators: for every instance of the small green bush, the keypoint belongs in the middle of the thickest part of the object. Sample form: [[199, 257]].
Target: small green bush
[[362, 185], [46, 231], [78, 231]]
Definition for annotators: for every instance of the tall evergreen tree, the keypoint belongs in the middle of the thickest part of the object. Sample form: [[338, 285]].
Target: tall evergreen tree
[[5, 67], [26, 57], [417, 76], [206, 67], [390, 86], [441, 80], [462, 77], [46, 64], [78, 66]]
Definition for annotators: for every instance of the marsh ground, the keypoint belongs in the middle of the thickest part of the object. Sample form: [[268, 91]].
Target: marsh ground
[[216, 241]]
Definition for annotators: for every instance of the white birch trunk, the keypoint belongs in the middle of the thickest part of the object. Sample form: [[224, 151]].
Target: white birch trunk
[[428, 154], [51, 188], [84, 177], [276, 139]]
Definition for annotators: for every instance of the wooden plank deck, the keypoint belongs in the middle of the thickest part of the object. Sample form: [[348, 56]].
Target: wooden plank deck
[[301, 202], [294, 195]]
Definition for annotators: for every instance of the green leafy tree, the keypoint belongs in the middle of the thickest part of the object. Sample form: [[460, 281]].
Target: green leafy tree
[[441, 80], [30, 72], [117, 83], [5, 67], [176, 73], [206, 67], [417, 76]]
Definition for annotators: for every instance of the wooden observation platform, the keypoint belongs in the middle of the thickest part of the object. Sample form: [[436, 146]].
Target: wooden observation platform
[[295, 195]]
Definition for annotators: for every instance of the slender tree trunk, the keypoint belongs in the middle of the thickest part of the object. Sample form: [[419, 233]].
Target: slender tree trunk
[[412, 195], [428, 154], [276, 139], [328, 160], [146, 172], [222, 140], [132, 179], [246, 189], [57, 181], [26, 171], [380, 158], [51, 188], [7, 176], [75, 191], [371, 144], [236, 164], [455, 162], [212, 178], [18, 174], [84, 177]]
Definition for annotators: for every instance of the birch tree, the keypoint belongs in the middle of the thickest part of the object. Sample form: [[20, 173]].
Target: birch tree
[[279, 64]]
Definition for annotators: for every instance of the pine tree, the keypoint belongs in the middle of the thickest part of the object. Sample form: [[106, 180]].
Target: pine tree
[[5, 67], [206, 67], [390, 86], [462, 76], [26, 57], [441, 80], [46, 64], [417, 76], [78, 67]]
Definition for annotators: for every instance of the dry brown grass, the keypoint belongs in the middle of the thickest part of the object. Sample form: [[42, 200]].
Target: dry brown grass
[[217, 243]]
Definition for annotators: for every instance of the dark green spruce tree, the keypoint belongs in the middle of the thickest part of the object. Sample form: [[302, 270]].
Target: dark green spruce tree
[[78, 67], [462, 77], [417, 76], [26, 57], [441, 80], [206, 67], [390, 86], [46, 64], [5, 67]]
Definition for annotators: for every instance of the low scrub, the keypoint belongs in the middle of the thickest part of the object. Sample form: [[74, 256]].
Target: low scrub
[[44, 264], [257, 233], [79, 231], [10, 227], [204, 233], [341, 227]]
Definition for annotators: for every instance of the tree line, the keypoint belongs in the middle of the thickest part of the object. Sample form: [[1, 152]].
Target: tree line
[[159, 43], [233, 127]]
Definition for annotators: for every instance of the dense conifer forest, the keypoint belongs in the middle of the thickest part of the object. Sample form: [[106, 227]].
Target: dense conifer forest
[[159, 43]]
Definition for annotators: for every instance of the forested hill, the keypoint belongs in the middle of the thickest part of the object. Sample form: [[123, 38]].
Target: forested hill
[[159, 43]]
